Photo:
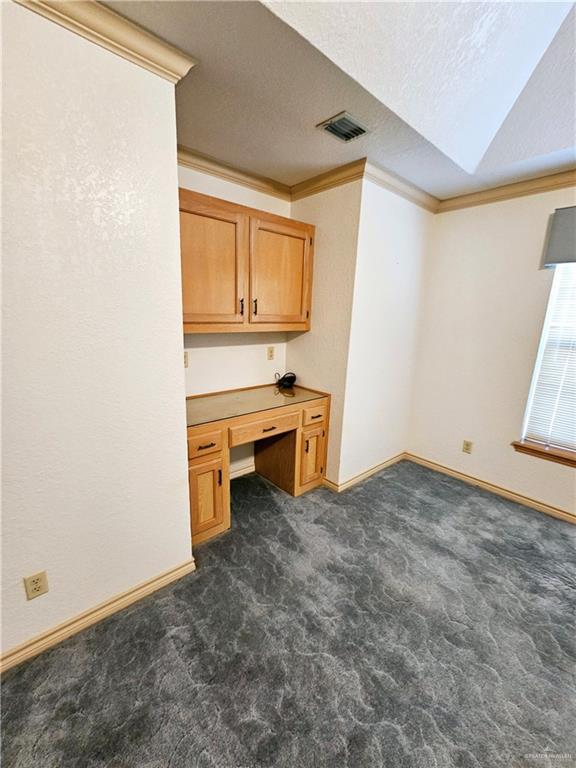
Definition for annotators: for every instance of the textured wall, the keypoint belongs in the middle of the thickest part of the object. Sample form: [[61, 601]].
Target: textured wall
[[392, 241], [483, 308], [320, 357], [228, 190], [95, 475], [232, 360]]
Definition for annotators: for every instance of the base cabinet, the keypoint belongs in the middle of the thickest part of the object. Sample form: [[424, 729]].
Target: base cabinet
[[289, 440], [206, 480], [312, 455]]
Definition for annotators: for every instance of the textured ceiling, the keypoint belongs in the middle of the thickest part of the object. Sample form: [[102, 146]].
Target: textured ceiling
[[260, 88], [450, 70], [543, 120]]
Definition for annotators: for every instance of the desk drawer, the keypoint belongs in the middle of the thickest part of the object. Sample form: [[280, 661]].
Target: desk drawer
[[315, 414], [200, 445], [256, 430]]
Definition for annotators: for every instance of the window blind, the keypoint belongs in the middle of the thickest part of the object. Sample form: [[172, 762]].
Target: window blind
[[551, 411], [561, 242]]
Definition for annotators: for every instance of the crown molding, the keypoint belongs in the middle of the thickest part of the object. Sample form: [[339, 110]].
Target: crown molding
[[205, 164], [344, 174], [362, 169], [509, 191], [400, 187], [110, 30]]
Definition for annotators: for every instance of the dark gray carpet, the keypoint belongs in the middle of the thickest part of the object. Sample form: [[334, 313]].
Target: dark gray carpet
[[412, 621]]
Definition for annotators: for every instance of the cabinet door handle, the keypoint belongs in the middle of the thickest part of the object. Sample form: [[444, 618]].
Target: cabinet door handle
[[203, 447], [318, 416], [307, 446], [241, 306], [219, 477], [268, 429], [255, 306]]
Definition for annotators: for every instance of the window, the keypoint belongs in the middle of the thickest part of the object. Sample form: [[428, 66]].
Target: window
[[550, 421]]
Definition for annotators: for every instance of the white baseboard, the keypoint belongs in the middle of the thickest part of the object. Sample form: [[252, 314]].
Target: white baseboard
[[527, 501], [53, 636], [339, 487]]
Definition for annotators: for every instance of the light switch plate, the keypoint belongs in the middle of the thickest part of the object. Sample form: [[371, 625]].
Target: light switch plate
[[467, 446]]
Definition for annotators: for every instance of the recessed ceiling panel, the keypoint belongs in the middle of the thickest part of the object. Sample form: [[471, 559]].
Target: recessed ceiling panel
[[543, 119], [260, 89], [452, 71]]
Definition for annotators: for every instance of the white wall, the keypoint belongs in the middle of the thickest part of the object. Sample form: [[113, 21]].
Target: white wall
[[482, 313], [188, 178], [95, 470], [232, 360], [392, 242], [320, 356]]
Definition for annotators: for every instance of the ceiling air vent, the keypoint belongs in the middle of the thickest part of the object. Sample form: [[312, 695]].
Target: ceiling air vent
[[343, 126]]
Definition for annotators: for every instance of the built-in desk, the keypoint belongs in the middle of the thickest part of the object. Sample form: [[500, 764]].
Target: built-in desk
[[288, 428]]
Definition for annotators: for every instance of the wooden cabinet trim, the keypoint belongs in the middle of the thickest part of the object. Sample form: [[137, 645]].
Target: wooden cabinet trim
[[297, 232], [189, 200], [249, 418], [260, 386], [245, 317], [314, 414], [238, 316], [204, 444], [261, 428], [213, 488], [312, 455], [246, 327]]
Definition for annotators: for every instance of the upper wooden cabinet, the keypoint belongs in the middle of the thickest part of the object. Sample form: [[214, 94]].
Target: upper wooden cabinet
[[280, 273], [214, 247], [243, 269]]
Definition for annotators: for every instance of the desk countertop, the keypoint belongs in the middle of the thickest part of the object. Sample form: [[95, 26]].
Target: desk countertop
[[202, 409]]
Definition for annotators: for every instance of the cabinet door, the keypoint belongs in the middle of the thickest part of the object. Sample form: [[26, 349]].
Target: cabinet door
[[214, 250], [312, 455], [206, 497], [280, 272]]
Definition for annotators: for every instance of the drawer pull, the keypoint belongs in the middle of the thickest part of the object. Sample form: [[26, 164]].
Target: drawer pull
[[318, 416], [307, 446], [268, 429], [241, 306], [255, 307], [208, 445]]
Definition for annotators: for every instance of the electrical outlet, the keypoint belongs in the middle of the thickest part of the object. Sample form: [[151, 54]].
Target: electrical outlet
[[36, 585], [185, 358], [270, 353], [467, 446]]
